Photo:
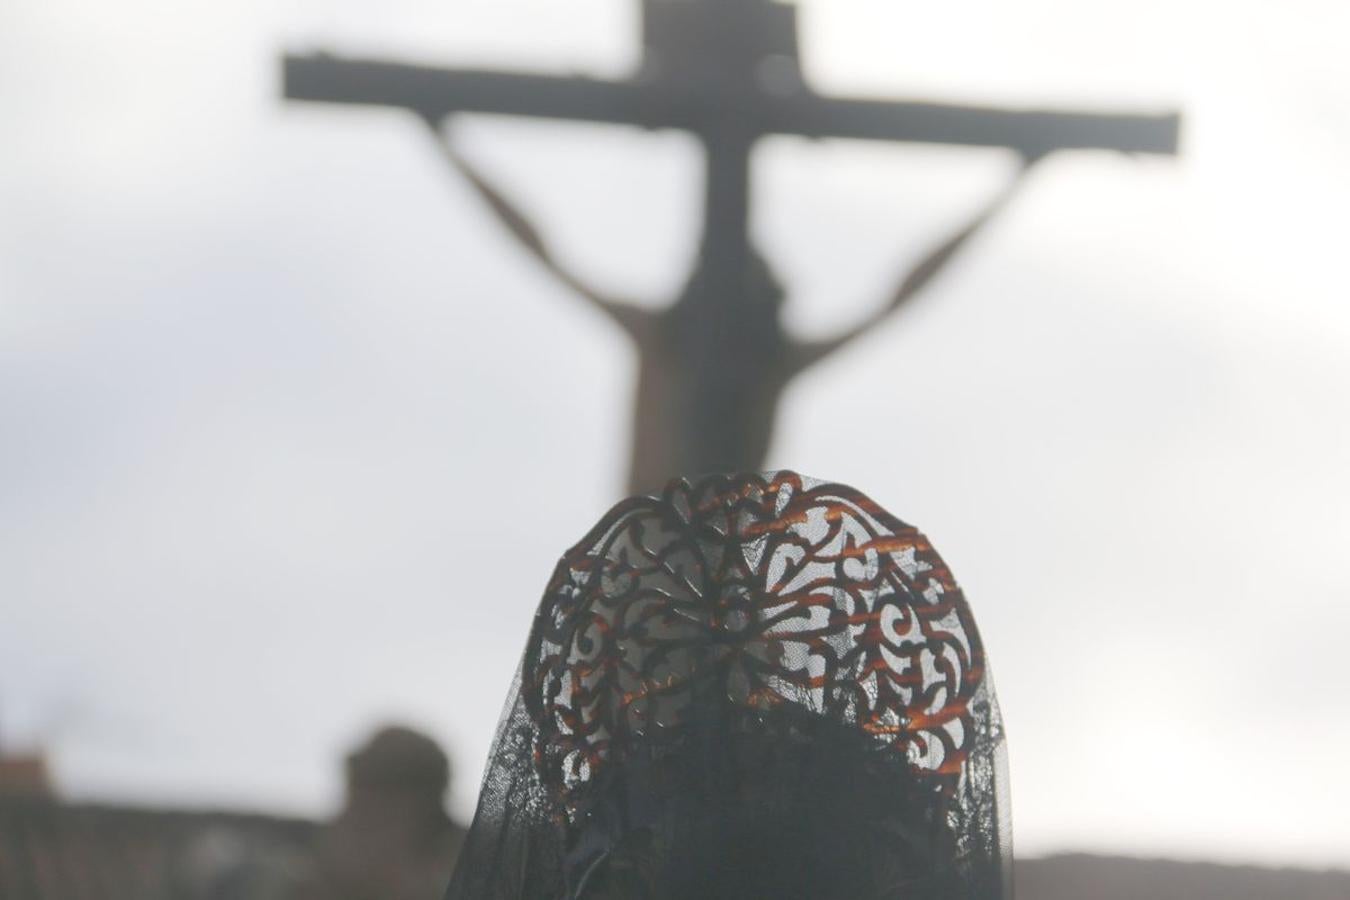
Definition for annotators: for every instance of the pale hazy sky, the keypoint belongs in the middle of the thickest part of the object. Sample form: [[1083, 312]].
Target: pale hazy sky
[[290, 435]]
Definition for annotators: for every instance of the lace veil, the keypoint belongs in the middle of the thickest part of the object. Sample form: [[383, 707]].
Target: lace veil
[[753, 685]]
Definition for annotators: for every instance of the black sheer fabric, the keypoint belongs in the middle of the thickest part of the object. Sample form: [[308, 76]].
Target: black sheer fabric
[[751, 686]]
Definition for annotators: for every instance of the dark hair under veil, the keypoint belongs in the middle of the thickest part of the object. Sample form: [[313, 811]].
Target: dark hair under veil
[[751, 686]]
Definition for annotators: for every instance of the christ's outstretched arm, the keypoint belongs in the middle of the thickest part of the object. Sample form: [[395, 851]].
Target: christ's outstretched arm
[[806, 353], [629, 317]]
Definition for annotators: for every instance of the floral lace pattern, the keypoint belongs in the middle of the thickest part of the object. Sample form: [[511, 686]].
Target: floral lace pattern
[[763, 589]]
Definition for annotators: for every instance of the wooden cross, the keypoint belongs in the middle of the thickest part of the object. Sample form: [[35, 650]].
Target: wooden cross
[[714, 364]]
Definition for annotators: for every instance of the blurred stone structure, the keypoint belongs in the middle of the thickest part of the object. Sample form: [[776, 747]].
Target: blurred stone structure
[[393, 841], [51, 850], [25, 777], [1086, 877]]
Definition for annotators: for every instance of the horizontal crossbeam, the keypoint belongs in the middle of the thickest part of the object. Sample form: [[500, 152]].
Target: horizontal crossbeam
[[435, 93]]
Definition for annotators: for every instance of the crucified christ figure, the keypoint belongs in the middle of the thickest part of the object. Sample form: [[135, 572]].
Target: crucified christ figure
[[712, 369]]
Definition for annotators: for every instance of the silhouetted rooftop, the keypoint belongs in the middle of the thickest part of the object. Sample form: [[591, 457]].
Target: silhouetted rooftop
[[58, 851]]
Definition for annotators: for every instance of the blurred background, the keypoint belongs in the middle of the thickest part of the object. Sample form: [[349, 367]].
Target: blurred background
[[292, 431]]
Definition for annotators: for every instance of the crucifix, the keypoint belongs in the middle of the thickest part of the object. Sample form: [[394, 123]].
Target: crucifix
[[714, 364]]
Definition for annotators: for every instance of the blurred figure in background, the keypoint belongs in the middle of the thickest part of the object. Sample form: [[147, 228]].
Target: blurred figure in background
[[393, 840]]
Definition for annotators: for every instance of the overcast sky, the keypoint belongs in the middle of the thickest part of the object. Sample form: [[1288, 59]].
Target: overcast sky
[[291, 434]]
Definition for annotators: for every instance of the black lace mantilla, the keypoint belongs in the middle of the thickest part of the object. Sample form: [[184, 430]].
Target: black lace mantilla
[[763, 657]]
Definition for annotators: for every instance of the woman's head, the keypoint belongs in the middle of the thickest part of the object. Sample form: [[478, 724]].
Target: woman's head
[[785, 805]]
